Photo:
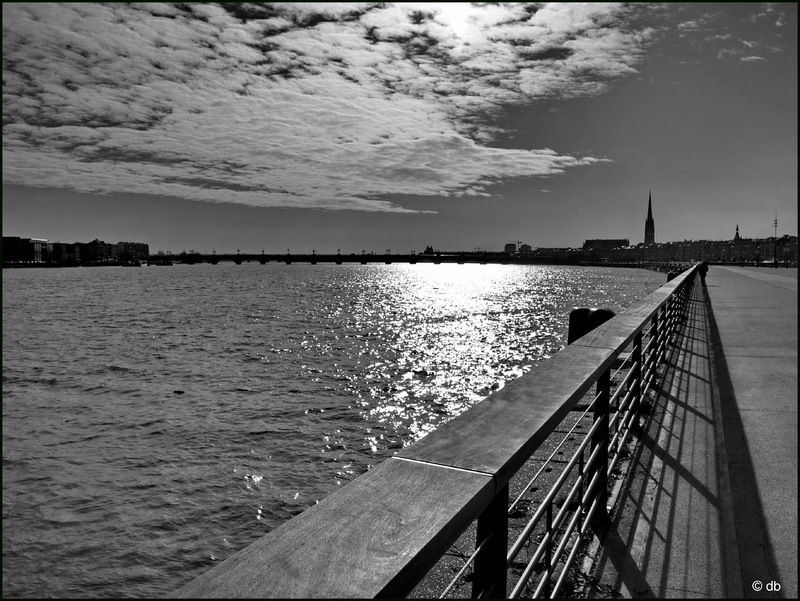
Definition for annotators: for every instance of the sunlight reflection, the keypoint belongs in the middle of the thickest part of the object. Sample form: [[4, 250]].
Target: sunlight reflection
[[458, 332], [415, 345]]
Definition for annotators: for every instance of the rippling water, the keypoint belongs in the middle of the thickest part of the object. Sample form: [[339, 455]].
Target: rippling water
[[157, 420]]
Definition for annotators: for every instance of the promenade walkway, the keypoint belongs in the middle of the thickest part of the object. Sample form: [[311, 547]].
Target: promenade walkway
[[710, 510]]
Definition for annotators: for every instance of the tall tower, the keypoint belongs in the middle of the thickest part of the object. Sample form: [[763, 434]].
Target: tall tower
[[649, 224]]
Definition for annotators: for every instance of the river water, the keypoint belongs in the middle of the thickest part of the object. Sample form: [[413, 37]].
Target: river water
[[156, 420]]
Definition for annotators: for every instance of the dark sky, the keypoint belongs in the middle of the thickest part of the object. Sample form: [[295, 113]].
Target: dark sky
[[364, 127]]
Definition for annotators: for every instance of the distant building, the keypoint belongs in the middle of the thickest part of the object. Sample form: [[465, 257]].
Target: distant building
[[605, 243], [510, 248], [34, 251], [65, 254], [17, 250], [98, 251], [649, 224], [133, 251], [42, 250], [525, 249]]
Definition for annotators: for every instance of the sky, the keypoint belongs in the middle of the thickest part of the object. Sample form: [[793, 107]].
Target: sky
[[394, 126]]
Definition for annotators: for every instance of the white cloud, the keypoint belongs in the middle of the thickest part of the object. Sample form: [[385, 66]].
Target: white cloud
[[319, 105], [690, 25]]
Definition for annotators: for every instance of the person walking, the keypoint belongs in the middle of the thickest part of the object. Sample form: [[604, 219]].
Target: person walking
[[703, 270]]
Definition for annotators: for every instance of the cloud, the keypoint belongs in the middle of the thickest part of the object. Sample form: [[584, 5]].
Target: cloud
[[318, 105], [740, 52], [690, 25], [774, 10], [767, 10], [702, 23]]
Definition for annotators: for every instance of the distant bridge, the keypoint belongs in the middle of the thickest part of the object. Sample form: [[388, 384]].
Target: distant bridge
[[482, 258], [363, 258]]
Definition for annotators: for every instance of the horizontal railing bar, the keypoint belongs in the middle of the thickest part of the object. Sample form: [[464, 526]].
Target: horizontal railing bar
[[514, 551], [560, 549], [535, 559], [553, 454], [589, 492], [628, 359], [648, 350], [615, 396], [567, 566], [618, 455], [629, 397], [565, 536], [627, 421], [542, 582], [623, 407], [650, 373], [539, 513], [470, 560], [550, 534], [613, 446], [575, 549], [647, 379], [625, 381], [561, 513]]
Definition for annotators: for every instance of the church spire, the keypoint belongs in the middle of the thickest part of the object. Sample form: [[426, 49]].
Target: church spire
[[649, 224]]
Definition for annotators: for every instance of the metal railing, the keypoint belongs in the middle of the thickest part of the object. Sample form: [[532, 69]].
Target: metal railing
[[563, 526], [381, 534]]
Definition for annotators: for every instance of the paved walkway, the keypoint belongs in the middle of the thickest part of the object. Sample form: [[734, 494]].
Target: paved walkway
[[755, 311], [711, 506]]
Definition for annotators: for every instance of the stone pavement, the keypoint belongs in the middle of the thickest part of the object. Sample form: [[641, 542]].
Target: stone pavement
[[710, 508]]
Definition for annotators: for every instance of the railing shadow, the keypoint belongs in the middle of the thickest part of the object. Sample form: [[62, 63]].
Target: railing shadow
[[641, 545], [755, 551]]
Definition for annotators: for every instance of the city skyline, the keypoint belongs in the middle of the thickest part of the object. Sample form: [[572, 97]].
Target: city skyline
[[359, 126]]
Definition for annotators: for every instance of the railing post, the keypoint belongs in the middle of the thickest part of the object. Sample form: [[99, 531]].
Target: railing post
[[600, 437], [489, 581], [638, 372], [671, 319], [688, 285], [658, 329], [654, 336], [677, 309], [666, 322], [670, 333]]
